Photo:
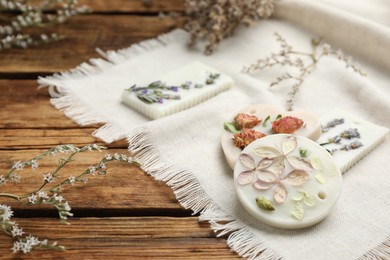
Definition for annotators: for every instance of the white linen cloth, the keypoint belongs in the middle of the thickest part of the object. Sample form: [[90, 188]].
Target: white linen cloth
[[184, 149]]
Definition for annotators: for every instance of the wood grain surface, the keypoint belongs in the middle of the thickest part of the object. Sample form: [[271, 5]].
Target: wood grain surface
[[125, 214]]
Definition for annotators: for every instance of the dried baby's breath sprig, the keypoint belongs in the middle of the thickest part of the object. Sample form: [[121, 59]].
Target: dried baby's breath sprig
[[48, 192], [214, 21], [18, 16], [304, 62]]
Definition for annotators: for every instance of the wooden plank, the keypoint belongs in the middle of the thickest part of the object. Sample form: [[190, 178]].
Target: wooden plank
[[130, 6], [134, 6], [16, 139], [84, 34], [22, 106], [124, 188], [119, 238]]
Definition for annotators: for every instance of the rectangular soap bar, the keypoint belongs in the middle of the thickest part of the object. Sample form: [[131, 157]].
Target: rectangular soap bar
[[178, 90], [371, 135]]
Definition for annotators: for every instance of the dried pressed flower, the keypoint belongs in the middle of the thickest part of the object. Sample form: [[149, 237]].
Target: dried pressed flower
[[246, 121], [286, 125], [246, 137], [214, 21]]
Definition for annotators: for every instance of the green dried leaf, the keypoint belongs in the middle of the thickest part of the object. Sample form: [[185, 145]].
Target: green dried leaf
[[231, 128], [278, 117], [316, 164], [303, 152], [298, 212], [265, 204], [266, 120], [320, 178]]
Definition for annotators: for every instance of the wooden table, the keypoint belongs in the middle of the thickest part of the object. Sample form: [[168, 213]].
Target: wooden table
[[125, 214]]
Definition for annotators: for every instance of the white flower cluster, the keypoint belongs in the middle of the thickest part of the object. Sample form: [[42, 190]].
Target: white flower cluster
[[27, 244], [26, 15]]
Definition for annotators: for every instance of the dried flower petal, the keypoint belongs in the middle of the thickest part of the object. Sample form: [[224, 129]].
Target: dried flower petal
[[280, 193], [247, 161], [286, 125], [260, 185], [316, 164], [246, 137], [267, 177], [299, 163], [246, 121], [296, 178], [277, 166], [265, 163], [245, 177], [267, 152], [289, 144]]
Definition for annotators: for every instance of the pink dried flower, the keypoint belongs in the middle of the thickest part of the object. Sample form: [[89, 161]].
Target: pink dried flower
[[286, 125], [242, 121], [246, 137]]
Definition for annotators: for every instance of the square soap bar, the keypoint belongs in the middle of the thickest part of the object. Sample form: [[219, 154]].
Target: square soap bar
[[178, 90], [361, 132]]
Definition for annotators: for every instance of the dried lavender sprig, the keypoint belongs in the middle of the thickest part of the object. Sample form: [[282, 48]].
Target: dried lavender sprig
[[335, 122], [346, 134], [154, 92], [347, 147]]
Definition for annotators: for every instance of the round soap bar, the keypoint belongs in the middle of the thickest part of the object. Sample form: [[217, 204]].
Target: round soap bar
[[287, 181], [310, 129]]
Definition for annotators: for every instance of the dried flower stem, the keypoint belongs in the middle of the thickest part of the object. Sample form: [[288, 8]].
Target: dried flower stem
[[17, 16], [303, 61], [45, 195], [214, 21]]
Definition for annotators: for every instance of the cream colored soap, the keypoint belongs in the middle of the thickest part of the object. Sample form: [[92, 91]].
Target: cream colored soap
[[370, 136], [196, 73], [311, 128], [279, 187]]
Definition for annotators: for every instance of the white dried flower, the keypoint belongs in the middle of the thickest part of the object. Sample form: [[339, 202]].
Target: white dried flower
[[16, 177], [92, 170], [42, 195], [16, 231], [5, 212], [34, 164], [2, 180], [32, 198], [18, 166], [48, 178], [72, 180], [108, 157]]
